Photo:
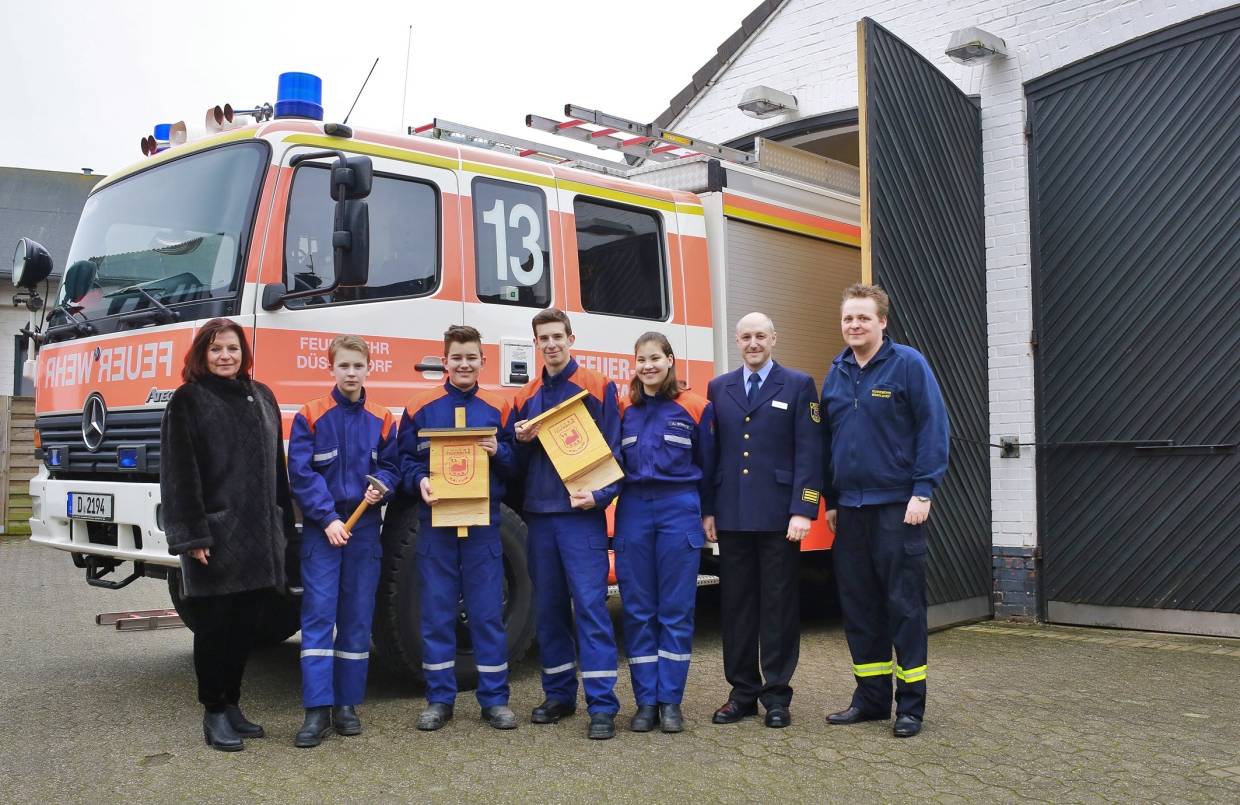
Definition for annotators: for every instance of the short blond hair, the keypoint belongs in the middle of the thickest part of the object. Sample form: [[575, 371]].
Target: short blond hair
[[863, 291], [353, 342]]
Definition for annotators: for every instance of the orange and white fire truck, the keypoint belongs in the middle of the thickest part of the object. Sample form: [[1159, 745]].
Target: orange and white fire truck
[[463, 227]]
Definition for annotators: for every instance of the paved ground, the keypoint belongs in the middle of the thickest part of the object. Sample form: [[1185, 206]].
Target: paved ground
[[1016, 713]]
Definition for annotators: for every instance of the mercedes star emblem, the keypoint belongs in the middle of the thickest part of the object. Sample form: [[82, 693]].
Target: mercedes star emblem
[[94, 421]]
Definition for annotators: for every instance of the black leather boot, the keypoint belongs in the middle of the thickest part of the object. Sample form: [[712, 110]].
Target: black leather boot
[[345, 719], [219, 734], [645, 718], [242, 725], [602, 726], [318, 723], [671, 718], [434, 716]]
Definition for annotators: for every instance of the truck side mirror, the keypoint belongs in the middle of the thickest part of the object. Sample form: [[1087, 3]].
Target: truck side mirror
[[78, 280], [352, 243], [351, 178], [31, 264]]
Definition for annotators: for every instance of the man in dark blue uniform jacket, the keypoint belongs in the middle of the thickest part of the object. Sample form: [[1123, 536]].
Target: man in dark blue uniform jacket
[[885, 445], [767, 481]]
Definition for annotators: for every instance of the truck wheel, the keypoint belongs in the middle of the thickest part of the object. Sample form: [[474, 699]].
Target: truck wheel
[[397, 631], [279, 617]]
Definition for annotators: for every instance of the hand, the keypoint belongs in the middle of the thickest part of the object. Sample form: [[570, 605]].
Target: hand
[[832, 517], [917, 512], [427, 494], [489, 444], [708, 525], [373, 496], [582, 500], [798, 527], [200, 554], [527, 432], [337, 536]]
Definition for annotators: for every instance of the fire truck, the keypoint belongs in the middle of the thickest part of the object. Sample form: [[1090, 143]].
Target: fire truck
[[300, 230]]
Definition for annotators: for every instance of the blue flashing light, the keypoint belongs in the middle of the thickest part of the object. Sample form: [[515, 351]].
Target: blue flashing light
[[55, 456], [300, 95], [163, 132], [127, 457]]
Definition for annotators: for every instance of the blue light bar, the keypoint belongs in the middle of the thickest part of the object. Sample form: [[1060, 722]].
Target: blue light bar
[[126, 457], [55, 456], [300, 95], [163, 132]]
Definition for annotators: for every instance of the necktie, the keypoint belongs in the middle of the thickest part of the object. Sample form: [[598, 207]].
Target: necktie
[[754, 380]]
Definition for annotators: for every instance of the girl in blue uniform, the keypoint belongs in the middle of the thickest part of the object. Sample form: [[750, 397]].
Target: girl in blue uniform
[[667, 452]]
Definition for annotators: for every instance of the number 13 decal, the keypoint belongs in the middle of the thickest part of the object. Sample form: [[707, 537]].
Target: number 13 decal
[[505, 262]]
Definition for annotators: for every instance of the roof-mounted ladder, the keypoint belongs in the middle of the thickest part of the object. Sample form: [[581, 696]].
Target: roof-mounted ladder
[[441, 129], [648, 141]]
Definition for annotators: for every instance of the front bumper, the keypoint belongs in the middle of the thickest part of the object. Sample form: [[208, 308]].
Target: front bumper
[[138, 536]]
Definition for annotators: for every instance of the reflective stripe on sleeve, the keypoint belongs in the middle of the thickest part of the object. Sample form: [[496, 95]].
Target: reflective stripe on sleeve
[[628, 440], [424, 446], [438, 666], [667, 655], [559, 669], [325, 456], [911, 675], [492, 669], [353, 655], [317, 652], [641, 660], [597, 674], [667, 437], [873, 669]]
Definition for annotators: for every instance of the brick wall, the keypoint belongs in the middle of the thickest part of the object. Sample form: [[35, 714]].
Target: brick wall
[[808, 48]]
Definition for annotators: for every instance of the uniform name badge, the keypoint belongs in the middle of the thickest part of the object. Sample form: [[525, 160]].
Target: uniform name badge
[[576, 447], [783, 406], [460, 477]]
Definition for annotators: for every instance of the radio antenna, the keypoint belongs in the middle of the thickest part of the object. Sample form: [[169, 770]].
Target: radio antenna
[[359, 92], [404, 96]]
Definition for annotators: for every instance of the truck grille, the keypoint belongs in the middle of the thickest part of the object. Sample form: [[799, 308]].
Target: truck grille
[[129, 428]]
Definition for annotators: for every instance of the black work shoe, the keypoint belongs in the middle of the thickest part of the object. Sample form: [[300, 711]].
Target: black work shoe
[[602, 726], [733, 711], [318, 723], [670, 717], [500, 716], [434, 716], [778, 717], [855, 715], [345, 719], [219, 734], [242, 725], [645, 718], [551, 711], [906, 726]]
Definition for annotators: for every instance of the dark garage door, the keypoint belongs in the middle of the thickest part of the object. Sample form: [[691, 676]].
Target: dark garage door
[[1135, 172]]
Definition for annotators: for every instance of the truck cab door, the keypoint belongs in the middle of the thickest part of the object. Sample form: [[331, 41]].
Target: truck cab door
[[413, 292], [923, 241]]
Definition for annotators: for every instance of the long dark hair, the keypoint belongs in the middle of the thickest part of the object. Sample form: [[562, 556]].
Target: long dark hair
[[671, 387], [196, 358]]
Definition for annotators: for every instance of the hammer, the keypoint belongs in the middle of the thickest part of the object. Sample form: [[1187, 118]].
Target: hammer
[[363, 506]]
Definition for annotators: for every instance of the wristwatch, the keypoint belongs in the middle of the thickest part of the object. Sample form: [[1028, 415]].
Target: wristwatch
[[921, 499]]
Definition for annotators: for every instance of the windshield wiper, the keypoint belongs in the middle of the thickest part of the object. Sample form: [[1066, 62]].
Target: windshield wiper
[[77, 328], [163, 313]]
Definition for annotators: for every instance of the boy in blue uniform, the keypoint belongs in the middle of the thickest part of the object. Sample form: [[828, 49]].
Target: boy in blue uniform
[[885, 450], [336, 441], [568, 539], [448, 565], [667, 450]]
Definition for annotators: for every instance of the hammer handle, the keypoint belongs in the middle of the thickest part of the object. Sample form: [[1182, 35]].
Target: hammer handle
[[357, 515]]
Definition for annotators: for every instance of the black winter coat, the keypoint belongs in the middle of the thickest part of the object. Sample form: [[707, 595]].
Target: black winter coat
[[224, 485]]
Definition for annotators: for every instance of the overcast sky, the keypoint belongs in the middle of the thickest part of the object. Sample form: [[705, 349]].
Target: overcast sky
[[82, 82]]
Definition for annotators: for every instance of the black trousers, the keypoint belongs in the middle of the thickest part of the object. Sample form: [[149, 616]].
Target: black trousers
[[880, 571], [761, 613], [223, 634]]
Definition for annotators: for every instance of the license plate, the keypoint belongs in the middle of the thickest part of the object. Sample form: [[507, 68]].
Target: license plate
[[90, 506]]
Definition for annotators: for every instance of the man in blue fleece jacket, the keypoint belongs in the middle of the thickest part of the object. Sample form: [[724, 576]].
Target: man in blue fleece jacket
[[885, 451]]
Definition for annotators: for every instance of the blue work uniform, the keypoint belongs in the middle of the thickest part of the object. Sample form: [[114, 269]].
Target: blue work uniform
[[452, 568], [667, 450], [768, 468], [885, 440], [334, 444], [568, 549]]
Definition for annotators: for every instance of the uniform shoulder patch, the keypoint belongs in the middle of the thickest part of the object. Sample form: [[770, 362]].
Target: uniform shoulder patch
[[815, 412], [809, 495]]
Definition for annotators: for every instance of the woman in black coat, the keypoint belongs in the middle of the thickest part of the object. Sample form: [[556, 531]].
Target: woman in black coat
[[226, 510]]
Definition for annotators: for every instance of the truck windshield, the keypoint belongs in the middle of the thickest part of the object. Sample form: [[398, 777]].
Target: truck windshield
[[175, 233]]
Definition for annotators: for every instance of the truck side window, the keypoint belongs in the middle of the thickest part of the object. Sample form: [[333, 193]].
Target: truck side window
[[510, 244], [620, 253], [404, 239]]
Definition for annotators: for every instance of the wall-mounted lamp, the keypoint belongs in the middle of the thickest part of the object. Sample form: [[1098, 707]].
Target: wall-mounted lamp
[[974, 46], [763, 102]]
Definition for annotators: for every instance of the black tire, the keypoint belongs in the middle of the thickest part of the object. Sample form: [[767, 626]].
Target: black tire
[[279, 616], [397, 632]]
